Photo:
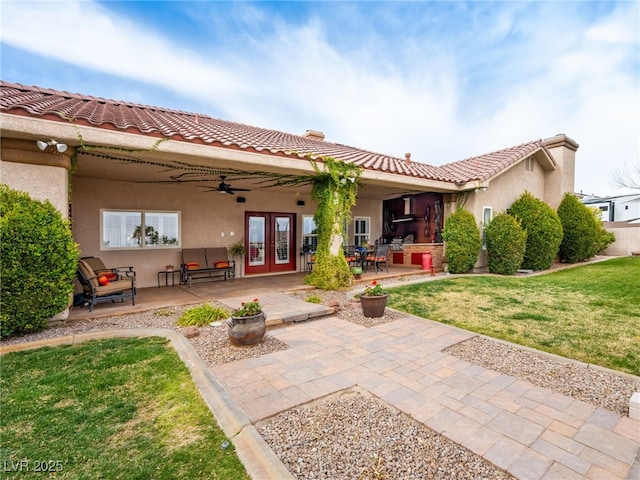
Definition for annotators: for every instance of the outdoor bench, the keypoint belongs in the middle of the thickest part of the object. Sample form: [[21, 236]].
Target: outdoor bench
[[206, 263]]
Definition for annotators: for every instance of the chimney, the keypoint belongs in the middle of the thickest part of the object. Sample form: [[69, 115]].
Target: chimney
[[562, 179], [314, 135], [407, 158]]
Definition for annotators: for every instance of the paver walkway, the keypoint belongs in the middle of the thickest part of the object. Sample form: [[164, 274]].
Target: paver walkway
[[530, 431]]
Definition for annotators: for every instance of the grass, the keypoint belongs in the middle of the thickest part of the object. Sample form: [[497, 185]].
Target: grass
[[109, 409], [589, 313], [202, 315]]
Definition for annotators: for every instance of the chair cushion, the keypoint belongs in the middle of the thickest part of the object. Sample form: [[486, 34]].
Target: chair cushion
[[221, 264], [193, 266], [103, 280], [115, 287], [87, 272]]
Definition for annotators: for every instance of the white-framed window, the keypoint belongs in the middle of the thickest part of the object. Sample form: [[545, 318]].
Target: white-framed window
[[133, 229], [529, 162], [361, 231], [309, 234], [487, 215]]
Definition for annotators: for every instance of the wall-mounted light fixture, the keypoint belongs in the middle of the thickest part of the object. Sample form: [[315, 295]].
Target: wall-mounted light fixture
[[241, 199], [300, 203], [60, 147]]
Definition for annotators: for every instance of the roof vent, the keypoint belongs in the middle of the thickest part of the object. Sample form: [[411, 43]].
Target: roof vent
[[407, 158], [313, 135]]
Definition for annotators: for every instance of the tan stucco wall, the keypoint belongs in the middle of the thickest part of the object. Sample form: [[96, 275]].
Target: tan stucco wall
[[502, 192], [627, 238], [41, 182], [205, 217]]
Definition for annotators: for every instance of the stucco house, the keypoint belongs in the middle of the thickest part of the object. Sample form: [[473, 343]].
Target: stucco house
[[140, 183]]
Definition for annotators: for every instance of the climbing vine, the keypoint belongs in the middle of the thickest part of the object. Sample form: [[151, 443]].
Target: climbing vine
[[334, 189]]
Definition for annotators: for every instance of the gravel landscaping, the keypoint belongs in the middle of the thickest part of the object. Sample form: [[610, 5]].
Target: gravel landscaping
[[587, 383], [353, 435]]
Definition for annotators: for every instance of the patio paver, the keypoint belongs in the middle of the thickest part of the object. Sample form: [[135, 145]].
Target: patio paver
[[530, 431]]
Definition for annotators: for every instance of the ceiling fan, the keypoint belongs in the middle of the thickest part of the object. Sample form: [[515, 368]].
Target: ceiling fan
[[226, 188]]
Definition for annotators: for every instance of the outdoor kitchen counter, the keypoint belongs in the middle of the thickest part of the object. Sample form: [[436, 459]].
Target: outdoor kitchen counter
[[411, 255]]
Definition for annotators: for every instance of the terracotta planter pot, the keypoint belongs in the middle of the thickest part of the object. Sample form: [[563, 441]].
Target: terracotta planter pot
[[247, 330], [373, 305]]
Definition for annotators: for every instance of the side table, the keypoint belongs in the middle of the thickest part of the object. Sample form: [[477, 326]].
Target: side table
[[166, 277]]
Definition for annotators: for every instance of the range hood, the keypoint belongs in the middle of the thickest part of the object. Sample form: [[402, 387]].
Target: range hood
[[404, 219], [407, 217]]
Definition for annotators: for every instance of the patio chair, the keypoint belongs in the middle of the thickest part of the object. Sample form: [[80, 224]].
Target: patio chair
[[113, 273], [351, 256], [379, 257], [97, 288]]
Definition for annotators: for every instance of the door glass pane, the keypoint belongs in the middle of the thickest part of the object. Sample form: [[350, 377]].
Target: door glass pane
[[256, 240], [282, 239]]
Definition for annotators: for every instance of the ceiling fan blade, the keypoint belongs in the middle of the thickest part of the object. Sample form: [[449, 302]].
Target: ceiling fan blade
[[239, 189]]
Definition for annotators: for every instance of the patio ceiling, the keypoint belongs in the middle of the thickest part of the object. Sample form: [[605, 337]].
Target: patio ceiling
[[273, 173]]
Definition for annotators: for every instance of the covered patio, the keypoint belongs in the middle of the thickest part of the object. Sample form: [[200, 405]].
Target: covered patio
[[151, 298]]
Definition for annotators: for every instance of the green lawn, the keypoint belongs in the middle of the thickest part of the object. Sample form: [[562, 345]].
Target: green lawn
[[589, 313], [112, 409]]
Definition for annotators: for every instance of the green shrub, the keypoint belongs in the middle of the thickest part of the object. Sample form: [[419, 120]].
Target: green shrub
[[544, 231], [463, 241], [580, 230], [604, 238], [37, 264], [202, 315], [506, 243], [313, 299]]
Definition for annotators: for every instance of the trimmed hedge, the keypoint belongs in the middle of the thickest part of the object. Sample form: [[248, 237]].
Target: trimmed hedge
[[544, 231], [580, 230], [506, 243], [37, 265], [463, 241]]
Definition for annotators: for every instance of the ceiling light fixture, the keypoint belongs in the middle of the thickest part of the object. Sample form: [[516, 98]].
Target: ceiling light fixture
[[60, 147]]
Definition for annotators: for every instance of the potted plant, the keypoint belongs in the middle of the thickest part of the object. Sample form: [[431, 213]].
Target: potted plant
[[373, 300], [247, 324], [237, 248]]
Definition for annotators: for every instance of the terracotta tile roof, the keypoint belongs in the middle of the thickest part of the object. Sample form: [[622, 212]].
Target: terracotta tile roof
[[483, 167], [129, 117]]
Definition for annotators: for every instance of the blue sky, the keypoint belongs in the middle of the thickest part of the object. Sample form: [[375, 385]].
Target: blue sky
[[443, 80]]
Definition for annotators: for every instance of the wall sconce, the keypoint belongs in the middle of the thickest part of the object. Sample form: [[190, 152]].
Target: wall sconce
[[241, 199], [60, 147], [300, 203]]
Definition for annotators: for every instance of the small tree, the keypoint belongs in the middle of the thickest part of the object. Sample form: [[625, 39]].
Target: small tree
[[543, 227], [506, 243], [580, 230], [463, 241], [37, 265]]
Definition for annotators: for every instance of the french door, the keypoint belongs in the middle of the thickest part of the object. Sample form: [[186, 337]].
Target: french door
[[270, 242]]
